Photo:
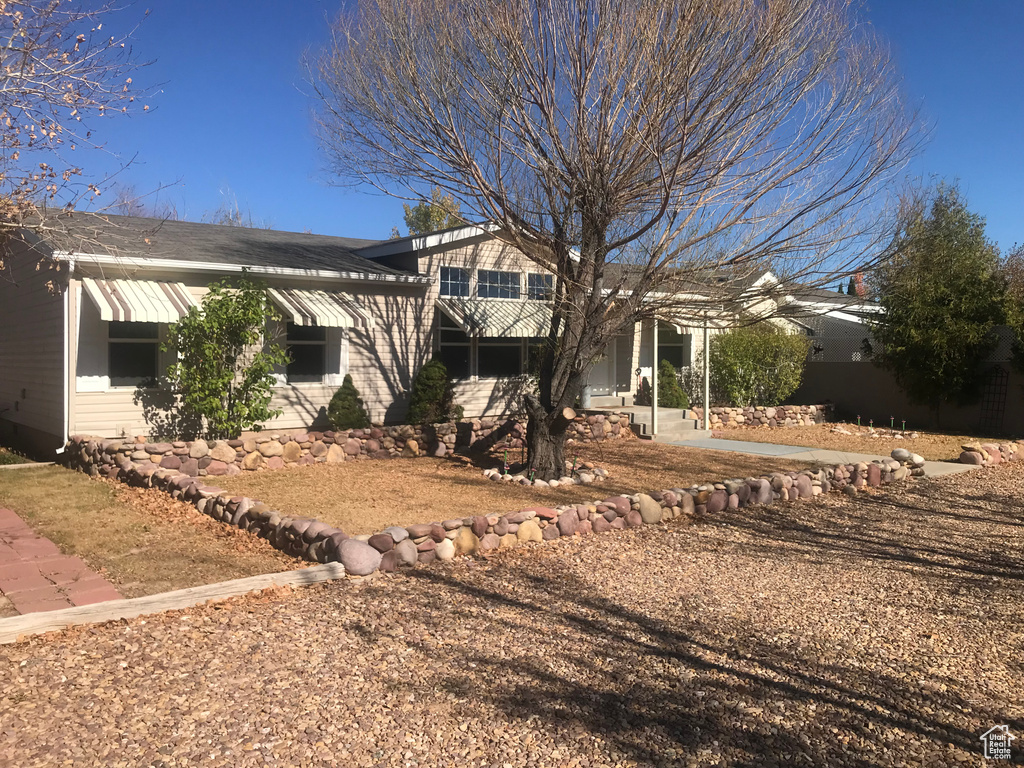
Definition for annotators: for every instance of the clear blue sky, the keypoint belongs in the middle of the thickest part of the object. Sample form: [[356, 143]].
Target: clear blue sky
[[230, 112]]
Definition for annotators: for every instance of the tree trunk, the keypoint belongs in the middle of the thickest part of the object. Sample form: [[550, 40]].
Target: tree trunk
[[545, 439]]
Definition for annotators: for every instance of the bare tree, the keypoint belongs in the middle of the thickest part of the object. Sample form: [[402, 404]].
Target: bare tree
[[230, 214], [653, 154], [128, 201], [59, 74]]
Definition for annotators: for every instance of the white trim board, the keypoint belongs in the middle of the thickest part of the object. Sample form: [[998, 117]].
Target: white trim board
[[18, 628]]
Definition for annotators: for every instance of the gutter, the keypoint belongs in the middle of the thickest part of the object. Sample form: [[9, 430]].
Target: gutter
[[200, 266]]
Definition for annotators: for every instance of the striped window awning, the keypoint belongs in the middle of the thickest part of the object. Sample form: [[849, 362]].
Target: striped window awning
[[498, 318], [139, 301], [324, 308]]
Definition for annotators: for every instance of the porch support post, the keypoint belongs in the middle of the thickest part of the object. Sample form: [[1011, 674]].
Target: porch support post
[[654, 383], [706, 359]]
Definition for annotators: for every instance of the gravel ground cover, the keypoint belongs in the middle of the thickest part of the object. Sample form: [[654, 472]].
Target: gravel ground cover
[[368, 496], [141, 540], [934, 446], [883, 630]]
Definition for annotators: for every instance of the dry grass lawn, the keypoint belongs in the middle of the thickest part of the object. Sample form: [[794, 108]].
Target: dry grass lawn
[[367, 496], [143, 541], [934, 446]]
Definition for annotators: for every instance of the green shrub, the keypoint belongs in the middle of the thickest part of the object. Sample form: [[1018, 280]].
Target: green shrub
[[433, 396], [670, 394], [346, 409], [756, 365], [223, 379]]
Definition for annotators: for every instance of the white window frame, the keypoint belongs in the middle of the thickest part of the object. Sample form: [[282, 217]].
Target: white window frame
[[468, 343], [663, 328], [482, 283], [444, 285], [543, 277], [154, 342], [492, 342], [321, 343]]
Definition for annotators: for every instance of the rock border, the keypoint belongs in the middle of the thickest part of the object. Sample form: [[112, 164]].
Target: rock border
[[771, 416], [990, 454], [201, 458], [398, 546]]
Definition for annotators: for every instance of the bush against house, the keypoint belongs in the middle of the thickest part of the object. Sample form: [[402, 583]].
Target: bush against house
[[224, 375], [433, 396], [670, 393], [760, 364], [346, 409], [941, 296]]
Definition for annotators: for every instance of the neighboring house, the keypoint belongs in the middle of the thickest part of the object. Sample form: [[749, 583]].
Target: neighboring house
[[839, 371]]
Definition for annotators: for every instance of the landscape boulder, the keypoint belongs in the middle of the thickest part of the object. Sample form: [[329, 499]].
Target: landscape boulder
[[358, 557]]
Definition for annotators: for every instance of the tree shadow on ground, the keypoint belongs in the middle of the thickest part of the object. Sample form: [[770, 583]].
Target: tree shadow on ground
[[951, 536], [661, 694]]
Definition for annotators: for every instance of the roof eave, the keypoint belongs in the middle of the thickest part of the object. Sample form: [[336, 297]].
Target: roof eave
[[421, 243]]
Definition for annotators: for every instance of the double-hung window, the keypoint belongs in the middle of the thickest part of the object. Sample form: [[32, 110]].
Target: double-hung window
[[494, 284], [307, 352], [132, 354], [454, 347], [539, 287], [454, 281]]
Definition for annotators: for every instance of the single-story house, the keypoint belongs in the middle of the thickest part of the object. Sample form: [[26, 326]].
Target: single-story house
[[83, 314], [82, 317]]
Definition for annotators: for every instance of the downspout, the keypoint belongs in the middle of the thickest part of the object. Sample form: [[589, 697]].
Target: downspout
[[67, 355], [707, 377], [654, 384]]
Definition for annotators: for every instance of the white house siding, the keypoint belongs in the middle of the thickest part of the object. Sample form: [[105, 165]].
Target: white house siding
[[384, 359], [112, 411], [477, 396], [97, 408], [32, 350]]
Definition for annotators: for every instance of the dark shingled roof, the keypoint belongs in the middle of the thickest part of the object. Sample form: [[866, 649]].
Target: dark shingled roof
[[155, 239]]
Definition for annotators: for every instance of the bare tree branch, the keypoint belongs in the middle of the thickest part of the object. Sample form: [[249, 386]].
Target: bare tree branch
[[641, 151]]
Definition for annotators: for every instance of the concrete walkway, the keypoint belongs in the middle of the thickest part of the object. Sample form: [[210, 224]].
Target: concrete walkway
[[36, 576], [819, 455]]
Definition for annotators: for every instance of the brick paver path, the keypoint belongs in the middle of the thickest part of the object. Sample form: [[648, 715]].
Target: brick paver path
[[35, 576]]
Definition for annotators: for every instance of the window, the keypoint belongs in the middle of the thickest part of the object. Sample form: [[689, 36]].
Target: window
[[539, 287], [454, 281], [492, 284], [497, 358], [674, 346], [132, 354], [307, 348], [453, 347]]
